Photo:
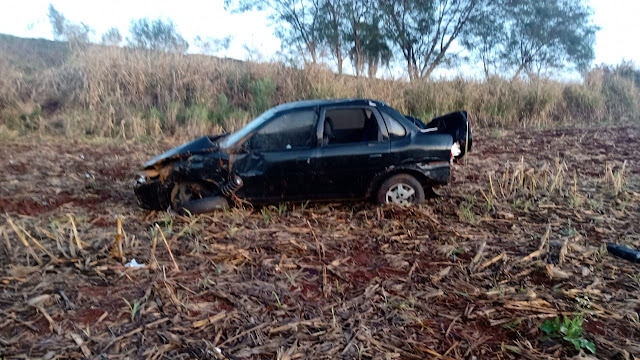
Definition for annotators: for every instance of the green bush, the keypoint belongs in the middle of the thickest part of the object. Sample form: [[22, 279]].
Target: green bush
[[263, 92], [31, 121], [156, 114], [193, 114], [222, 111], [569, 330]]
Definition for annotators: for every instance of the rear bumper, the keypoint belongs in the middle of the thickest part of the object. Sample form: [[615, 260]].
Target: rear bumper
[[437, 173]]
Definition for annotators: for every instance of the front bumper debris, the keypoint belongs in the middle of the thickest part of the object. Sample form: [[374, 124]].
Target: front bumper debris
[[153, 194]]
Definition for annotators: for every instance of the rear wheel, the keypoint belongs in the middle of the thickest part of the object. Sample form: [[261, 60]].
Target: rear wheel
[[401, 189]]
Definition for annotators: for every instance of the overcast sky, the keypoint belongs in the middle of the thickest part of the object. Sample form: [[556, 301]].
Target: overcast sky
[[207, 18]]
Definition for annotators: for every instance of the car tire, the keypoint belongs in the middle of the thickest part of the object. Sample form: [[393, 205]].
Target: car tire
[[401, 189], [204, 205], [190, 197]]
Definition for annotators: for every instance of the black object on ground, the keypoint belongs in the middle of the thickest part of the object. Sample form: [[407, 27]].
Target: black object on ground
[[624, 252]]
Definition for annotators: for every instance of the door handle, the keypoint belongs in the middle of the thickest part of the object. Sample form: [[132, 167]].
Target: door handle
[[375, 156]]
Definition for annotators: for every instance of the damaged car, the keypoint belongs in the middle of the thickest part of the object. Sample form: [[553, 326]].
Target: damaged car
[[309, 150]]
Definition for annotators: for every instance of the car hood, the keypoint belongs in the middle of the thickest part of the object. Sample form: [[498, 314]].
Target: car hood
[[205, 144]]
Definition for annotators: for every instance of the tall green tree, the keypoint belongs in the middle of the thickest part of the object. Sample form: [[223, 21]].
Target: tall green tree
[[484, 36], [425, 30], [297, 21], [531, 36], [357, 14], [547, 34], [157, 35], [332, 28], [375, 46], [353, 28]]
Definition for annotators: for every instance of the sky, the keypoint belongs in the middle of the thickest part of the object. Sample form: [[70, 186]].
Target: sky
[[207, 18]]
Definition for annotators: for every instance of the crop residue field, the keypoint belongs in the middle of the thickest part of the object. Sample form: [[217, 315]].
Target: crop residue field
[[518, 238]]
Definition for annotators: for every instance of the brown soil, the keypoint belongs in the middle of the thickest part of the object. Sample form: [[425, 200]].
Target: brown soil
[[399, 283]]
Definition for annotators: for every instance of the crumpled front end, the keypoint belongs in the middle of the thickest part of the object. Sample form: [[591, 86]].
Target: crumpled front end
[[154, 185], [197, 170], [153, 194], [202, 145]]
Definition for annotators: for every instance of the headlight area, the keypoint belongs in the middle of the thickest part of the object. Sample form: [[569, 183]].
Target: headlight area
[[160, 173]]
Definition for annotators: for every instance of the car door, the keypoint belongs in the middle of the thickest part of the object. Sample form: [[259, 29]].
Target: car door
[[357, 150], [279, 160]]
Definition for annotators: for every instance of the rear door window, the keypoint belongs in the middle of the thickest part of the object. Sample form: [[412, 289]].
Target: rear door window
[[293, 130], [351, 125]]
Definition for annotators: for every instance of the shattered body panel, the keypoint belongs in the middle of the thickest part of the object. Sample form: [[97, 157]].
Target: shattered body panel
[[314, 156], [204, 144]]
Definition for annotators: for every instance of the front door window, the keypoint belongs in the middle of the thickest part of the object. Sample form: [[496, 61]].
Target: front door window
[[290, 131], [280, 154]]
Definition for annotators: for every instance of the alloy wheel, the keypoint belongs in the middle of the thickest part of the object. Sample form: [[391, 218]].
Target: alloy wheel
[[401, 194]]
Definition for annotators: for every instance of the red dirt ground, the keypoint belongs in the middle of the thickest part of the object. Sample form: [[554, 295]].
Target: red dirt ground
[[330, 280]]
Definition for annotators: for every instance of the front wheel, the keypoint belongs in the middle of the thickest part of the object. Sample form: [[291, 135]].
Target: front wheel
[[401, 189], [191, 197]]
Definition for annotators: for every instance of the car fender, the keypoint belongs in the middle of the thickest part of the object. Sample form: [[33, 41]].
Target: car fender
[[427, 173]]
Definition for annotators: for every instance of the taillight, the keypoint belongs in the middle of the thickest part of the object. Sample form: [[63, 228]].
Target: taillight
[[455, 150]]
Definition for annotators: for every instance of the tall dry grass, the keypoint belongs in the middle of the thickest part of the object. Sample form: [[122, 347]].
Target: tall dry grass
[[120, 92]]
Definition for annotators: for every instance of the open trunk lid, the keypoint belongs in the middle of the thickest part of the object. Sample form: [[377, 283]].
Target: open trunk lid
[[455, 124]]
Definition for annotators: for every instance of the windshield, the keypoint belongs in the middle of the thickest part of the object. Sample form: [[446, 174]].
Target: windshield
[[232, 139]]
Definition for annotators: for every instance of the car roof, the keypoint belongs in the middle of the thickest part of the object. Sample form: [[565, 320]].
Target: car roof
[[325, 102]]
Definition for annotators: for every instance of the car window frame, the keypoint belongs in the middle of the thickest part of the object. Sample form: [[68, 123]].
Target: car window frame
[[234, 139], [320, 126], [276, 115], [406, 131]]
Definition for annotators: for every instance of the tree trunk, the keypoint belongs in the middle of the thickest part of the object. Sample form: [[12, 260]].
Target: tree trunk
[[486, 69], [409, 71], [517, 74], [357, 58], [314, 58], [338, 53], [358, 62], [373, 68], [430, 70]]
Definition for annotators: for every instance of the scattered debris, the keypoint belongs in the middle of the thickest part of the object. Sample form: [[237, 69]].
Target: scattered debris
[[133, 264], [624, 252]]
